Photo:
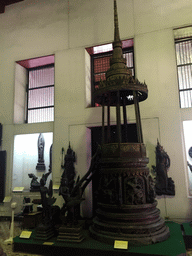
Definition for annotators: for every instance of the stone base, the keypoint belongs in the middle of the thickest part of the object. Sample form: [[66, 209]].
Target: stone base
[[40, 167], [71, 234], [137, 224]]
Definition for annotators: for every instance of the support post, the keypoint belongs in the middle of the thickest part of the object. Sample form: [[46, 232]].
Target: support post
[[103, 121], [118, 117], [138, 118]]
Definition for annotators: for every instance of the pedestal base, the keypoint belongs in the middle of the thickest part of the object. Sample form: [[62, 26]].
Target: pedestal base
[[138, 224], [32, 220], [71, 234], [40, 166], [44, 232]]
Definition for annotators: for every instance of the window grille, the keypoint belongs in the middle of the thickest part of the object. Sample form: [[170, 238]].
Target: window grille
[[183, 40], [40, 95]]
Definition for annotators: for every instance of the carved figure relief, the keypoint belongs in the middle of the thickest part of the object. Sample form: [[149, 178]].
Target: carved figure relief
[[150, 198], [108, 187], [134, 192]]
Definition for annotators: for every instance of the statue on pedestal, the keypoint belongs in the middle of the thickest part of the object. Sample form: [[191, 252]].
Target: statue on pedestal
[[67, 184], [35, 185], [164, 185], [41, 144], [72, 192], [46, 229]]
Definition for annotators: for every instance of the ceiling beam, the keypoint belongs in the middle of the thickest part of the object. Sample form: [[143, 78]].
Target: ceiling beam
[[3, 3]]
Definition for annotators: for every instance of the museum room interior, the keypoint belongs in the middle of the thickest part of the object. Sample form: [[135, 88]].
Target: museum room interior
[[54, 54]]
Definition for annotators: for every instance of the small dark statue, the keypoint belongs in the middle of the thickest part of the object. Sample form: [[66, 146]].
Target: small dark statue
[[46, 229], [71, 206], [35, 185], [47, 202], [40, 144], [164, 185]]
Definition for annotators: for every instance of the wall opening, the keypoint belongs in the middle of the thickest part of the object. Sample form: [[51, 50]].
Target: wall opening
[[25, 158]]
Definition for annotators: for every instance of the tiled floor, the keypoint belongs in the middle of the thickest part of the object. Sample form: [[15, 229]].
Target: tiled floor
[[4, 234]]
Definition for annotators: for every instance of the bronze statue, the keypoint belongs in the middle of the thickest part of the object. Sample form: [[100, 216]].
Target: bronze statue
[[72, 192], [50, 157], [46, 229], [40, 144], [35, 185], [47, 202], [164, 185], [72, 202]]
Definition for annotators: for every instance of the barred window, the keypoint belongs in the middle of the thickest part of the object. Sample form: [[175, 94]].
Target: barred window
[[34, 90], [183, 46], [100, 62], [40, 95]]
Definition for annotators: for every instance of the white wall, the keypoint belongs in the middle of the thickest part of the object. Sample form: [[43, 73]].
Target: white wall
[[20, 94], [37, 28]]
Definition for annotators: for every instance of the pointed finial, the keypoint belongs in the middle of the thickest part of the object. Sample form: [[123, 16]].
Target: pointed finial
[[116, 25]]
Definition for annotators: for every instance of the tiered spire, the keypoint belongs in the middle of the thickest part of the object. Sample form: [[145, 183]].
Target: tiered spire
[[118, 76], [118, 66], [116, 33]]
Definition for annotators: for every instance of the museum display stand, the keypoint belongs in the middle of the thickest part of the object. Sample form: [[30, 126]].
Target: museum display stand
[[173, 246]]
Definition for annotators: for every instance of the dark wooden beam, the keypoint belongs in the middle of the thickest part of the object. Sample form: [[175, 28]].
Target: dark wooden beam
[[3, 3], [2, 7]]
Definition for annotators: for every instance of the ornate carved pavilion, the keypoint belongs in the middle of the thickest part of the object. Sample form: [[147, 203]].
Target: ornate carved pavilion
[[126, 197]]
